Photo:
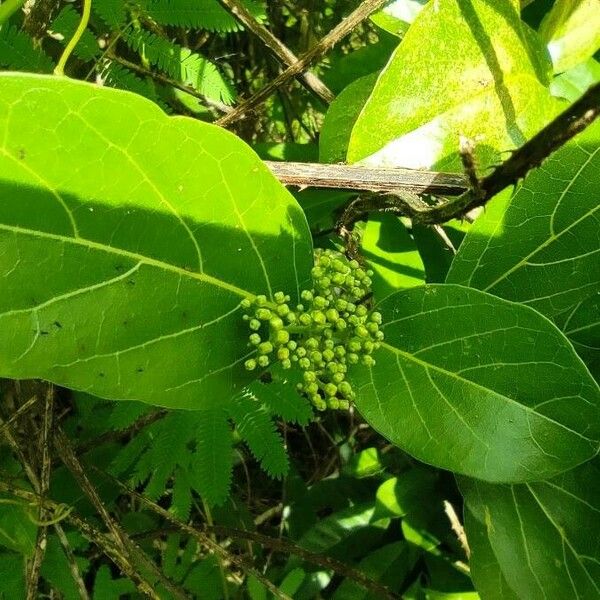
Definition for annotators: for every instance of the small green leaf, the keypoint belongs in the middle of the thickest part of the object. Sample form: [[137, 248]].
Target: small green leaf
[[128, 240], [465, 67], [400, 495], [573, 83], [572, 32], [478, 385], [545, 534]]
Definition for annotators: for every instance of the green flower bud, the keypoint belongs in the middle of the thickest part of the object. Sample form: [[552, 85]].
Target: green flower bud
[[250, 364], [379, 336], [254, 339], [254, 324], [291, 317], [355, 345], [300, 307], [309, 376], [316, 357], [279, 297], [245, 303], [328, 344], [333, 367], [361, 310], [319, 317], [260, 300], [337, 377], [352, 358], [324, 283], [311, 343], [368, 346], [286, 363], [319, 302], [330, 389], [345, 389], [341, 324], [275, 323], [372, 327], [305, 319], [283, 310], [306, 295], [265, 348], [282, 337], [264, 314], [361, 331], [301, 351], [350, 307], [333, 403], [292, 345], [283, 353], [340, 351], [338, 279], [328, 355], [263, 360], [312, 388], [332, 315], [318, 402], [368, 360], [304, 363], [343, 404]]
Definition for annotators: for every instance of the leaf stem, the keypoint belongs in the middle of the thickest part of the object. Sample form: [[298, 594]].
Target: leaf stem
[[8, 8], [64, 57]]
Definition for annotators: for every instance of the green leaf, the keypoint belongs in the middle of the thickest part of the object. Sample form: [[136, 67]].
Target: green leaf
[[388, 565], [391, 254], [582, 326], [397, 15], [485, 570], [545, 534], [107, 588], [478, 385], [12, 576], [398, 496], [541, 246], [17, 530], [465, 67], [340, 118], [572, 32], [573, 83], [128, 240]]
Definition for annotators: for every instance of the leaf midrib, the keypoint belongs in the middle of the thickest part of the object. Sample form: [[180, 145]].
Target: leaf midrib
[[89, 244], [508, 400]]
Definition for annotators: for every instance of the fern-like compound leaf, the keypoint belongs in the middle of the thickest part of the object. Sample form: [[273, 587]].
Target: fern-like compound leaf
[[199, 14], [256, 428], [18, 53]]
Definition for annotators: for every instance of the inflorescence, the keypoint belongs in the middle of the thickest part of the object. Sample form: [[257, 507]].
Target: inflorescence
[[330, 331]]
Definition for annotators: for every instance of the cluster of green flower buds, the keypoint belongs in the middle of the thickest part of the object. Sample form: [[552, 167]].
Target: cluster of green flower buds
[[331, 330]]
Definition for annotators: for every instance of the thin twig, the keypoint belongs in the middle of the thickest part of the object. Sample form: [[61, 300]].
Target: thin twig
[[121, 434], [568, 124], [105, 543], [203, 538], [363, 11], [168, 81], [83, 23], [278, 48], [365, 179], [18, 413], [75, 574], [277, 544], [457, 527], [33, 574], [125, 545]]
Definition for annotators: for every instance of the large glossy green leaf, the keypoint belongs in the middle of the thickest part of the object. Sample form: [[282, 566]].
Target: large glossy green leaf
[[544, 535], [572, 31], [541, 245], [465, 67], [478, 385], [128, 239]]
